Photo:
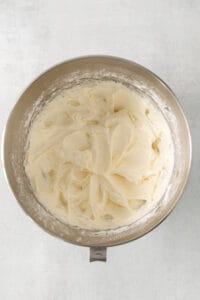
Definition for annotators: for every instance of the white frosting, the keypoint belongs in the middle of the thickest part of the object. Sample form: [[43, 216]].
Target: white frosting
[[100, 155]]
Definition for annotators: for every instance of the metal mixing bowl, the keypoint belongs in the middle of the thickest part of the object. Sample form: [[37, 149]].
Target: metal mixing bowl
[[71, 73]]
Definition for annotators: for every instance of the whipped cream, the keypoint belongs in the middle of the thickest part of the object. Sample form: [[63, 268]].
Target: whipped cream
[[100, 155]]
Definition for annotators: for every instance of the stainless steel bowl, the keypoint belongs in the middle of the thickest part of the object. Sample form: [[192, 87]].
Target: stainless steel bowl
[[71, 73]]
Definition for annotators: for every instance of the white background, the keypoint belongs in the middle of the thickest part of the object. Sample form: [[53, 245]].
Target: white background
[[162, 35]]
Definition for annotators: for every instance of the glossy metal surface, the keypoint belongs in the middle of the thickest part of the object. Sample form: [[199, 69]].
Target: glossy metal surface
[[71, 73]]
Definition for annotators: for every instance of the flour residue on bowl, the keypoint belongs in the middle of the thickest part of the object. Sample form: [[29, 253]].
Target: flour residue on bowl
[[100, 155]]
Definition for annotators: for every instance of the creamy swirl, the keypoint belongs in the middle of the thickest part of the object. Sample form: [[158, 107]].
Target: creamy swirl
[[99, 156]]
